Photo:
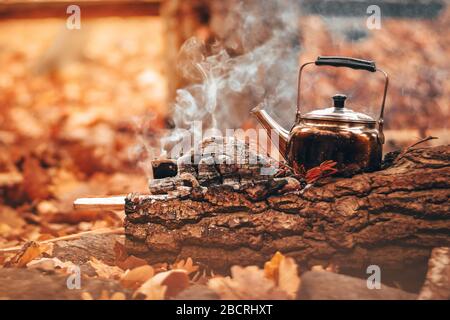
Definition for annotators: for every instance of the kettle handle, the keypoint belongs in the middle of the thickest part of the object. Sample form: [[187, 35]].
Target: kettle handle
[[346, 62], [353, 63]]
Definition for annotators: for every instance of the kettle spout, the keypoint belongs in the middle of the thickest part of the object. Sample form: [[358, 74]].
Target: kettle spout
[[274, 130]]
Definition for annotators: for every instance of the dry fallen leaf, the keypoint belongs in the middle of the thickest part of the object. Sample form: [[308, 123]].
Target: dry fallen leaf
[[151, 291], [118, 296], [271, 267], [123, 260], [30, 251], [173, 281], [288, 279], [131, 262], [104, 295], [330, 268], [47, 207], [246, 283], [202, 277], [35, 179], [134, 278], [188, 265], [105, 271], [283, 271], [10, 178], [50, 264], [86, 296], [10, 218]]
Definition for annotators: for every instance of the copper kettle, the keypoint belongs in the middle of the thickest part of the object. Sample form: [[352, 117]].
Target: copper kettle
[[354, 140]]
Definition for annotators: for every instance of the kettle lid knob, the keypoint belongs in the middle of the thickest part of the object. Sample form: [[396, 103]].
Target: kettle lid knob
[[339, 100]]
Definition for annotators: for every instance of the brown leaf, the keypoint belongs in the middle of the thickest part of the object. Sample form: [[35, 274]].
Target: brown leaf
[[35, 180], [271, 267], [288, 279], [325, 169], [246, 283], [318, 268], [105, 271], [124, 261], [201, 277], [49, 264], [30, 251], [86, 296], [131, 262], [11, 217], [11, 178], [188, 265], [104, 295], [174, 281], [133, 279], [152, 291], [10, 222], [160, 267], [283, 271], [118, 296], [329, 268], [47, 207]]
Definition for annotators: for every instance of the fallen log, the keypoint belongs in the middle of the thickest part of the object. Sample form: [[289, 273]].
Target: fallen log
[[392, 218]]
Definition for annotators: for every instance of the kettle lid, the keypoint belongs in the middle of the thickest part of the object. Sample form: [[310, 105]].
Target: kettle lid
[[339, 112]]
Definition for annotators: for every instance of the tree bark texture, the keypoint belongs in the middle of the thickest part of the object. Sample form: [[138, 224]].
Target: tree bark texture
[[392, 218]]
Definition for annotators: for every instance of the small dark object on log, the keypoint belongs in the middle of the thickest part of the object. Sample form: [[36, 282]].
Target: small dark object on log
[[164, 168]]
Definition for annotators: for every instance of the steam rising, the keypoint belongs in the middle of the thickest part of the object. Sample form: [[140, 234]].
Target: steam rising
[[227, 86]]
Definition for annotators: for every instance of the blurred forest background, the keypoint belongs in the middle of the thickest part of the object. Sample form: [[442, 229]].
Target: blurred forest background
[[78, 107]]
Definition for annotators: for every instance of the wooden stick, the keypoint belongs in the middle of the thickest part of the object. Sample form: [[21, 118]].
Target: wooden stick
[[408, 149], [113, 202], [104, 203], [69, 237]]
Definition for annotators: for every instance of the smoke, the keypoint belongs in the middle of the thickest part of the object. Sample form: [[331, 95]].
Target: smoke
[[256, 61]]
